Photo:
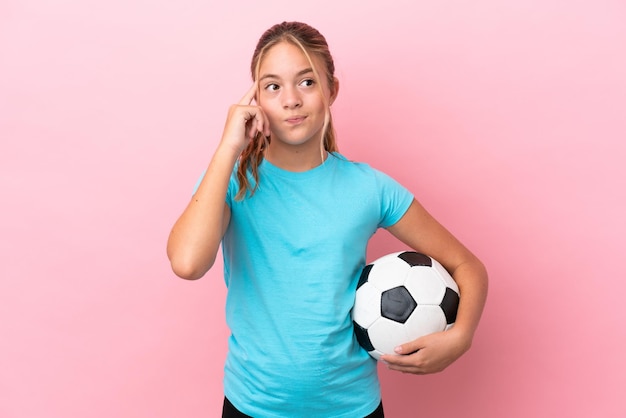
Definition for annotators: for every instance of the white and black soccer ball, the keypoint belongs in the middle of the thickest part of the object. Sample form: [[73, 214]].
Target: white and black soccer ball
[[401, 297]]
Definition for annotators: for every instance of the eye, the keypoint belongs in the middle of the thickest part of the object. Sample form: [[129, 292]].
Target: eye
[[308, 82], [272, 87]]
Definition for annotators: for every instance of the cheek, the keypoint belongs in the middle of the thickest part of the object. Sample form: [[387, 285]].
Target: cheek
[[272, 116], [269, 104], [319, 101]]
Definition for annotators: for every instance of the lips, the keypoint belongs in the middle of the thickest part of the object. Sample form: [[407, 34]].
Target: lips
[[295, 120]]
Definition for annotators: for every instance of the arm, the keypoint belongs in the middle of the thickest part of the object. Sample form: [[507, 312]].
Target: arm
[[433, 353], [196, 235]]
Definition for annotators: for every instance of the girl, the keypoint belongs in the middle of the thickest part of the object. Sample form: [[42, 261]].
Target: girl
[[294, 217]]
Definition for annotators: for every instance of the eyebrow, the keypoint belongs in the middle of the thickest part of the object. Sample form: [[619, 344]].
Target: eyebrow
[[300, 73]]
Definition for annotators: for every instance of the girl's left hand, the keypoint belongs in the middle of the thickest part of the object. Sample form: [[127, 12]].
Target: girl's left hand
[[430, 353]]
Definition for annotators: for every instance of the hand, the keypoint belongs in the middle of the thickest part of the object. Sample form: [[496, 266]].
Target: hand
[[244, 121], [428, 354]]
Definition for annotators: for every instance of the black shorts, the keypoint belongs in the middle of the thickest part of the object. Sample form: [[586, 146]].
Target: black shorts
[[229, 411]]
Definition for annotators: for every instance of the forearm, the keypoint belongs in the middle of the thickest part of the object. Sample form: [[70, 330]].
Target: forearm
[[471, 277], [195, 238]]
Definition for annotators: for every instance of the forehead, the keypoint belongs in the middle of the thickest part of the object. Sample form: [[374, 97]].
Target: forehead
[[284, 59]]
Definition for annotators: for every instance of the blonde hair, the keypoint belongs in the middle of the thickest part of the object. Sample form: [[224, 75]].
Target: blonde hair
[[311, 42]]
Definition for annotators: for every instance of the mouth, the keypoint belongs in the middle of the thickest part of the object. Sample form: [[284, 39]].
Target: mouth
[[295, 120]]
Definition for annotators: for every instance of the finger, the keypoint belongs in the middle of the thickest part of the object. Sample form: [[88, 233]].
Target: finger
[[251, 129], [261, 122], [410, 347], [399, 363], [264, 129], [397, 360], [253, 122], [404, 364], [412, 370], [249, 96]]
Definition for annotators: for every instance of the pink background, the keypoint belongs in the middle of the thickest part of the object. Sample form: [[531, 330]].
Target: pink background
[[507, 120]]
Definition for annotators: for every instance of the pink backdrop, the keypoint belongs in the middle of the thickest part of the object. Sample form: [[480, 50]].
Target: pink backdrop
[[507, 119]]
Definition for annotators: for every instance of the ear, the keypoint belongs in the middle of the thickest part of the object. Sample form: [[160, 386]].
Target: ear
[[334, 90]]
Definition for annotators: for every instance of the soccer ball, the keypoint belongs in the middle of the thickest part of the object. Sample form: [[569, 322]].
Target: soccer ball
[[401, 297]]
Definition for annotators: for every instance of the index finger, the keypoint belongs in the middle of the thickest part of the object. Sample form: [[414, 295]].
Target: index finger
[[247, 99]]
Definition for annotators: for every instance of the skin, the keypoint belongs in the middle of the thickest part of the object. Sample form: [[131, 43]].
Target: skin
[[295, 103], [288, 103], [433, 353]]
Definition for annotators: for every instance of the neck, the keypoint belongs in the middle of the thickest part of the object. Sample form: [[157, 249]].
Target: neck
[[295, 158]]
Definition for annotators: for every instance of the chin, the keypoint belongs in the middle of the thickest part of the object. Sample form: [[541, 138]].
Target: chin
[[293, 141], [300, 143]]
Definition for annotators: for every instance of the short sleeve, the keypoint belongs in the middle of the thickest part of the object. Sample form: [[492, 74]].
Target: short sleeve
[[395, 199], [195, 188]]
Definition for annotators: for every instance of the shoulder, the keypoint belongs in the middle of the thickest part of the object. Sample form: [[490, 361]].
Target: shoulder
[[360, 169], [343, 163]]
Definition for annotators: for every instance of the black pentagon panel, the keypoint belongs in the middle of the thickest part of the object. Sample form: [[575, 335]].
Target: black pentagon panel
[[416, 259], [364, 275], [397, 304], [362, 337], [450, 305]]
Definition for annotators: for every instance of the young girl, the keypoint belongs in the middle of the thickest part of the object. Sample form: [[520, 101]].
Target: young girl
[[294, 218]]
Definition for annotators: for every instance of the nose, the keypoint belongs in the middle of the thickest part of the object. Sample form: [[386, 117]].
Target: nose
[[291, 98]]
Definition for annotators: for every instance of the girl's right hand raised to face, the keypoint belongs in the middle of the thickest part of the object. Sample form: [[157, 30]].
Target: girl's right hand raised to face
[[244, 121]]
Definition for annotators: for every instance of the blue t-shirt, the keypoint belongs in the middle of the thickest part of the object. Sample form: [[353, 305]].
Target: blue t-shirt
[[293, 253]]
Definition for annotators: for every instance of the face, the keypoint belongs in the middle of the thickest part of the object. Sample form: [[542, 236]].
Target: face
[[290, 95]]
